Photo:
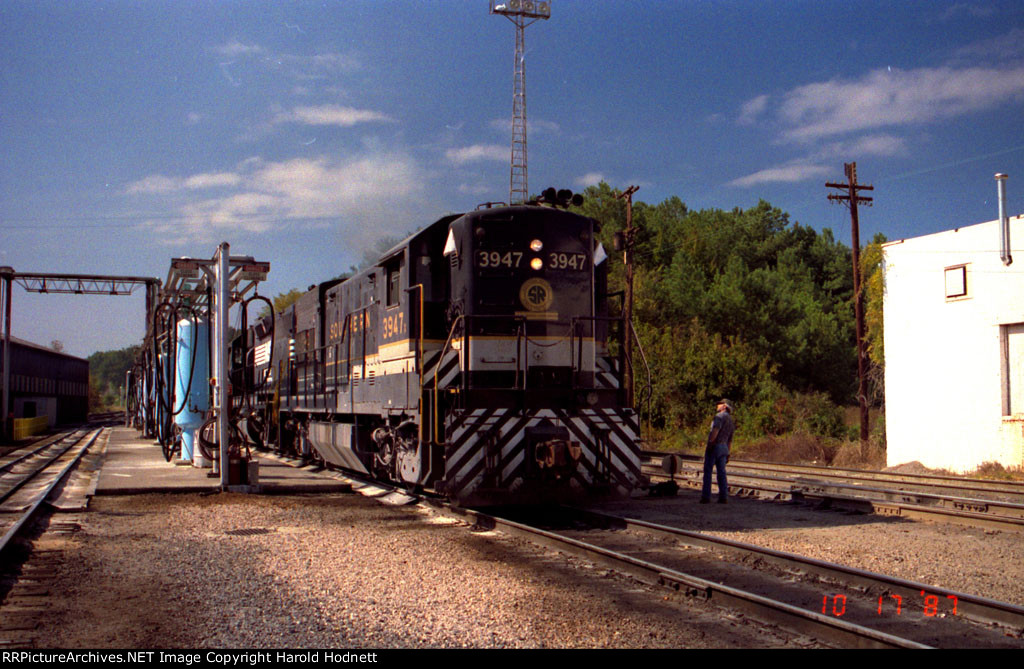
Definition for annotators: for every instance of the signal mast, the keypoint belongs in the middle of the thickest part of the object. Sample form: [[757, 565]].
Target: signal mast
[[522, 13]]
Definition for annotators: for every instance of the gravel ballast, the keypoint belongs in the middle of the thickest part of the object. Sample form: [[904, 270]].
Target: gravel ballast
[[344, 571], [340, 571]]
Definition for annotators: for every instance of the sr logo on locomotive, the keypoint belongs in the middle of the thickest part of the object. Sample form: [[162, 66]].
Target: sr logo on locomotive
[[477, 358]]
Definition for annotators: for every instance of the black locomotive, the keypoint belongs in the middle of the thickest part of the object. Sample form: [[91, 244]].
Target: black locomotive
[[476, 358]]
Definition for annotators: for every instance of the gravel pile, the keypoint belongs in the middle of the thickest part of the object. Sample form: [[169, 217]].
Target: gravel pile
[[233, 571]]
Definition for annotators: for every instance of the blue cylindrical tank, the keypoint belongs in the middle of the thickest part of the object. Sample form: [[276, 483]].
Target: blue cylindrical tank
[[193, 340]]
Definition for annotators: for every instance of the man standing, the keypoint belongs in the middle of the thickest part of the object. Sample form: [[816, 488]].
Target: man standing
[[717, 452]]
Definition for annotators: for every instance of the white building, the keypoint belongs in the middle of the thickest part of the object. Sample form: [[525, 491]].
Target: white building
[[954, 348]]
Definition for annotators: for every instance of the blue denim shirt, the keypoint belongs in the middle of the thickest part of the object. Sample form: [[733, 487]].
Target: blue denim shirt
[[723, 421]]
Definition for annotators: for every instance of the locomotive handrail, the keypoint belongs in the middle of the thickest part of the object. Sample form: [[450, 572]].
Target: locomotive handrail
[[595, 320], [316, 358], [437, 370], [520, 323], [419, 353], [521, 359]]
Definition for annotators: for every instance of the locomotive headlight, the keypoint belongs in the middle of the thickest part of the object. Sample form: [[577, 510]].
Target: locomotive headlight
[[536, 245], [536, 263]]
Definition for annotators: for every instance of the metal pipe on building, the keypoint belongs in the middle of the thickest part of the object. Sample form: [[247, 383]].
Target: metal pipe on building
[[1004, 221]]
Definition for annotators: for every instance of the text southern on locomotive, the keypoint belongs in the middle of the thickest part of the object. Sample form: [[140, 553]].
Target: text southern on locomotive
[[476, 358]]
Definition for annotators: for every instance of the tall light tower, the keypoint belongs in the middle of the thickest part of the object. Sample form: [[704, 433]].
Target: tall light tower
[[522, 13]]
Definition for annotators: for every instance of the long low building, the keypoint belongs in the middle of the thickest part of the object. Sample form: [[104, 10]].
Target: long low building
[[954, 348], [45, 382]]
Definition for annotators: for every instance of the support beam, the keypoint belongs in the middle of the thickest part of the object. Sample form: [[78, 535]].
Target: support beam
[[6, 276], [223, 297]]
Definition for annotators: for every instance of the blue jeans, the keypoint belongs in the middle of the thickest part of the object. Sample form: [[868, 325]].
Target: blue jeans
[[715, 456]]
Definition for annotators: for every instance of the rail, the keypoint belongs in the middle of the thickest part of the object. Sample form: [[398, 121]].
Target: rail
[[28, 514], [889, 502], [788, 615], [972, 607]]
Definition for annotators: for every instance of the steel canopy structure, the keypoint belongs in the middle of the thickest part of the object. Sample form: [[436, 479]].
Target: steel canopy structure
[[81, 284], [191, 280], [73, 284], [211, 287]]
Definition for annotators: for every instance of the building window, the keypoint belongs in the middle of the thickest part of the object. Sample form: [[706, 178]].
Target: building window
[[956, 281]]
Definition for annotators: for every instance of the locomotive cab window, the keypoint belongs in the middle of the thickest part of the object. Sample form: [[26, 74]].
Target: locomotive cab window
[[394, 283]]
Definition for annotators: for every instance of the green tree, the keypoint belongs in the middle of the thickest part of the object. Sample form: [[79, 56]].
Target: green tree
[[285, 300], [740, 303], [281, 302], [874, 293], [107, 370]]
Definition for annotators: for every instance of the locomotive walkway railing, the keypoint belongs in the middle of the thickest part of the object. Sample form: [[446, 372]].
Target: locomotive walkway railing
[[316, 376]]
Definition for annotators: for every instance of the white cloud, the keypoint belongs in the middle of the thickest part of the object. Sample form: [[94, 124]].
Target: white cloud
[[790, 173], [590, 179], [846, 117], [1002, 47], [469, 154], [234, 49], [155, 183], [478, 189], [897, 97], [331, 115], [317, 67], [751, 109], [373, 194], [158, 183], [336, 62], [192, 118], [220, 179], [869, 145]]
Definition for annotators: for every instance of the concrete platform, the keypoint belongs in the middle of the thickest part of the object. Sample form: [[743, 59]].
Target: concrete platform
[[135, 466]]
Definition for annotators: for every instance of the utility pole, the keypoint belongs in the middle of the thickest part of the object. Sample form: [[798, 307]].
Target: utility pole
[[853, 198], [627, 308]]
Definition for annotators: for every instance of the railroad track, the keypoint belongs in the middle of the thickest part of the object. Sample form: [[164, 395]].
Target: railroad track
[[966, 487], [829, 602], [28, 479], [1002, 507], [19, 452]]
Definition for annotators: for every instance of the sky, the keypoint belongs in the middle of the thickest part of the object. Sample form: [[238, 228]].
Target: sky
[[303, 132]]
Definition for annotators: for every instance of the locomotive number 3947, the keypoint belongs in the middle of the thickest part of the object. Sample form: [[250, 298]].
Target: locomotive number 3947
[[498, 259], [393, 325]]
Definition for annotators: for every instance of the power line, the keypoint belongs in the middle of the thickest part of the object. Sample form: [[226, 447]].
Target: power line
[[67, 222]]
